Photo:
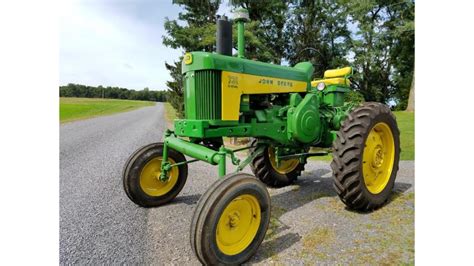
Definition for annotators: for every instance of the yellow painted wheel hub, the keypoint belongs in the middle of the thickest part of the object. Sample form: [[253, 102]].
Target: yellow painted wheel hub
[[150, 178], [378, 158], [238, 224], [286, 166]]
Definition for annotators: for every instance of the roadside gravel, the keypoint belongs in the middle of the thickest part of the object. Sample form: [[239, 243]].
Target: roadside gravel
[[100, 225]]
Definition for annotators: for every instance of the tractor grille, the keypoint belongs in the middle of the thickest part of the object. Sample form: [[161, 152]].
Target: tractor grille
[[208, 94]]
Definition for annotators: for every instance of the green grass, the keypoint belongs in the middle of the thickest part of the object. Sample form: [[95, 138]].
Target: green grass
[[389, 234], [385, 236], [71, 109], [406, 124], [316, 240], [170, 114]]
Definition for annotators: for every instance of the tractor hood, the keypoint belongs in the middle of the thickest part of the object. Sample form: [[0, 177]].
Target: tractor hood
[[203, 60]]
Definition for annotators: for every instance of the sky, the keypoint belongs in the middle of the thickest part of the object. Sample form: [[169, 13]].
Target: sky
[[116, 42]]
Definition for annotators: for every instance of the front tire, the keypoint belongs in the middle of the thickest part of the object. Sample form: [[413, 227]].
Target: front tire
[[141, 176], [230, 220], [365, 157]]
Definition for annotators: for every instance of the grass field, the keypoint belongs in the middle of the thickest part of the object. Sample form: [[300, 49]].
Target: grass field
[[170, 114], [71, 109], [406, 124]]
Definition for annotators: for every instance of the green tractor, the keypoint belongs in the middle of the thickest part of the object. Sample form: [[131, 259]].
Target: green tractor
[[285, 113]]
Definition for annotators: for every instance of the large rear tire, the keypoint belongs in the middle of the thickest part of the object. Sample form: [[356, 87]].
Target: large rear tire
[[265, 168], [230, 220], [141, 176], [365, 157]]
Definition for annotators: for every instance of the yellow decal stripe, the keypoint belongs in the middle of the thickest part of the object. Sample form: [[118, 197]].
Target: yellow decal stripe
[[236, 84]]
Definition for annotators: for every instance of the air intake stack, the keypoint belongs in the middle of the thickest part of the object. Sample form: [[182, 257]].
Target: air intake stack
[[241, 15]]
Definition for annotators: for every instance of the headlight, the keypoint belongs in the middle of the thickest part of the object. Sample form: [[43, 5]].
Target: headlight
[[321, 86]]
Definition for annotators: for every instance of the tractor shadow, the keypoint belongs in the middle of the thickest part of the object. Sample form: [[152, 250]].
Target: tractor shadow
[[311, 186], [274, 247], [188, 199]]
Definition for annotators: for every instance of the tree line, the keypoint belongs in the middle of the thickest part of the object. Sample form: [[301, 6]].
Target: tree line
[[83, 91], [375, 37]]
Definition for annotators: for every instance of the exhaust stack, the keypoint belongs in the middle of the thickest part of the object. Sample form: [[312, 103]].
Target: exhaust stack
[[224, 36]]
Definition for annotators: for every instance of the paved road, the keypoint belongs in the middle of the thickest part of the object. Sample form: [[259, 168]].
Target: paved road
[[100, 225]]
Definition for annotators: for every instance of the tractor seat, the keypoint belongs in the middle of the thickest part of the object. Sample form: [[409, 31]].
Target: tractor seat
[[340, 72], [332, 81], [338, 76]]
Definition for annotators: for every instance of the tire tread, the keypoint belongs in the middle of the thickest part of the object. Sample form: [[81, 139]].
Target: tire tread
[[347, 155]]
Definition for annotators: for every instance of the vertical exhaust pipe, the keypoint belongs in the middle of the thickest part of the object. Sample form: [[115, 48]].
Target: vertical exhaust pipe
[[224, 36]]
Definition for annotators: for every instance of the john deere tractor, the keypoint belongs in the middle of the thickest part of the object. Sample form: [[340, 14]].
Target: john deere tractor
[[285, 113]]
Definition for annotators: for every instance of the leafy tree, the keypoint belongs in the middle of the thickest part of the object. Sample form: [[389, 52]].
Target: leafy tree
[[375, 46], [403, 53], [197, 32], [376, 37], [317, 32], [264, 34], [78, 90], [175, 87]]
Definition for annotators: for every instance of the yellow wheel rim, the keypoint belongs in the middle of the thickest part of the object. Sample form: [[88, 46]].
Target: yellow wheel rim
[[286, 166], [150, 178], [238, 224], [379, 154]]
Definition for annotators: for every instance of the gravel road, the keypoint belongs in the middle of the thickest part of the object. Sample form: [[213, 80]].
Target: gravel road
[[100, 225]]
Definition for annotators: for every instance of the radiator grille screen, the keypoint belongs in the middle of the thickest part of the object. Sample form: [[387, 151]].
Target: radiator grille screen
[[208, 94]]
